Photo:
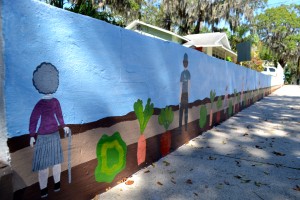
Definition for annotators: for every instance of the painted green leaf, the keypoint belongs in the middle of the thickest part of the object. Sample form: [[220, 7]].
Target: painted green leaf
[[219, 102], [166, 117], [238, 97], [212, 96], [230, 109], [111, 155], [143, 115], [203, 115]]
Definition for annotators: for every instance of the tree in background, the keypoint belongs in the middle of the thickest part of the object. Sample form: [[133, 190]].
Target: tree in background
[[279, 29], [190, 16]]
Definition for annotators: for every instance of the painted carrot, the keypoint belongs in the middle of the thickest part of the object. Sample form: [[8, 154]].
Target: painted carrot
[[212, 98], [165, 118], [219, 105], [143, 116]]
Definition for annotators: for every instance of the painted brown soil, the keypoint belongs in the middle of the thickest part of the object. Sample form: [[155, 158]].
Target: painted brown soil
[[83, 184]]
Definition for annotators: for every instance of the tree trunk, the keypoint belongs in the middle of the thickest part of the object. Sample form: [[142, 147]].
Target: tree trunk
[[282, 62], [198, 25]]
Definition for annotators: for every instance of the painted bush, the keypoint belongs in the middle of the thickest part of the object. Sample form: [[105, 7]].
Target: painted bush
[[143, 115], [212, 98], [165, 118], [111, 154], [234, 100], [203, 115], [219, 106], [230, 108], [238, 102]]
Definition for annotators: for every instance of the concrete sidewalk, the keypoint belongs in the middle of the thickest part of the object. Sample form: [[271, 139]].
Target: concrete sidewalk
[[253, 155]]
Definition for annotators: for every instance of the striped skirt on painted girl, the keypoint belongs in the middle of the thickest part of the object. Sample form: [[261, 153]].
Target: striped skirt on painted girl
[[47, 151]]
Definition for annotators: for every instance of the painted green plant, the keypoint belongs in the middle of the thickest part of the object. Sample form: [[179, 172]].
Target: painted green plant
[[143, 115], [235, 93], [166, 117], [203, 115], [219, 102], [111, 155], [238, 98], [212, 97], [230, 108]]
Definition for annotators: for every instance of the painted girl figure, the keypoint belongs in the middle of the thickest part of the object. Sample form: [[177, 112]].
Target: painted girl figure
[[45, 120]]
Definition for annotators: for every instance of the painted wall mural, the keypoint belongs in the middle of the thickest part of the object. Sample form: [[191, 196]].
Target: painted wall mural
[[128, 99]]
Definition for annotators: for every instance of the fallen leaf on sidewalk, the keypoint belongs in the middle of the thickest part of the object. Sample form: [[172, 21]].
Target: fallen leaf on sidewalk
[[278, 165], [246, 134], [226, 183], [238, 176], [159, 183], [219, 186], [212, 158], [278, 153], [258, 147], [266, 173], [248, 126], [238, 163], [189, 181], [295, 179], [153, 165], [191, 169], [224, 142], [129, 182], [297, 188], [245, 181], [172, 172], [147, 171], [258, 184], [122, 181], [166, 163], [195, 194], [173, 181]]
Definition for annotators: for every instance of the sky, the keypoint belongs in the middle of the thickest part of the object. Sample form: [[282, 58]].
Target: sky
[[275, 3]]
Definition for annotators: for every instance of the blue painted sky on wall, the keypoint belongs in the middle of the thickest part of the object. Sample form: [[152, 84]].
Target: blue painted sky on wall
[[103, 69]]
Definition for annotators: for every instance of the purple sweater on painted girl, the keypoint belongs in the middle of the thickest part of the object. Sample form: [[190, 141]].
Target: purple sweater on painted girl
[[50, 112]]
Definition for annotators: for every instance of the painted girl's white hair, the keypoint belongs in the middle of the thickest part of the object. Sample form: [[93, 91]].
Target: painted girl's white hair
[[46, 78]]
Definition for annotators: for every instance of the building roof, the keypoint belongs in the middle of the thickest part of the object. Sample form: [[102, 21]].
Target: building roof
[[134, 26], [208, 40], [216, 39]]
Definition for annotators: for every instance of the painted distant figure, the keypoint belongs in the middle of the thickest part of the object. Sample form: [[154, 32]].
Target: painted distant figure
[[184, 92], [225, 103], [45, 120]]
